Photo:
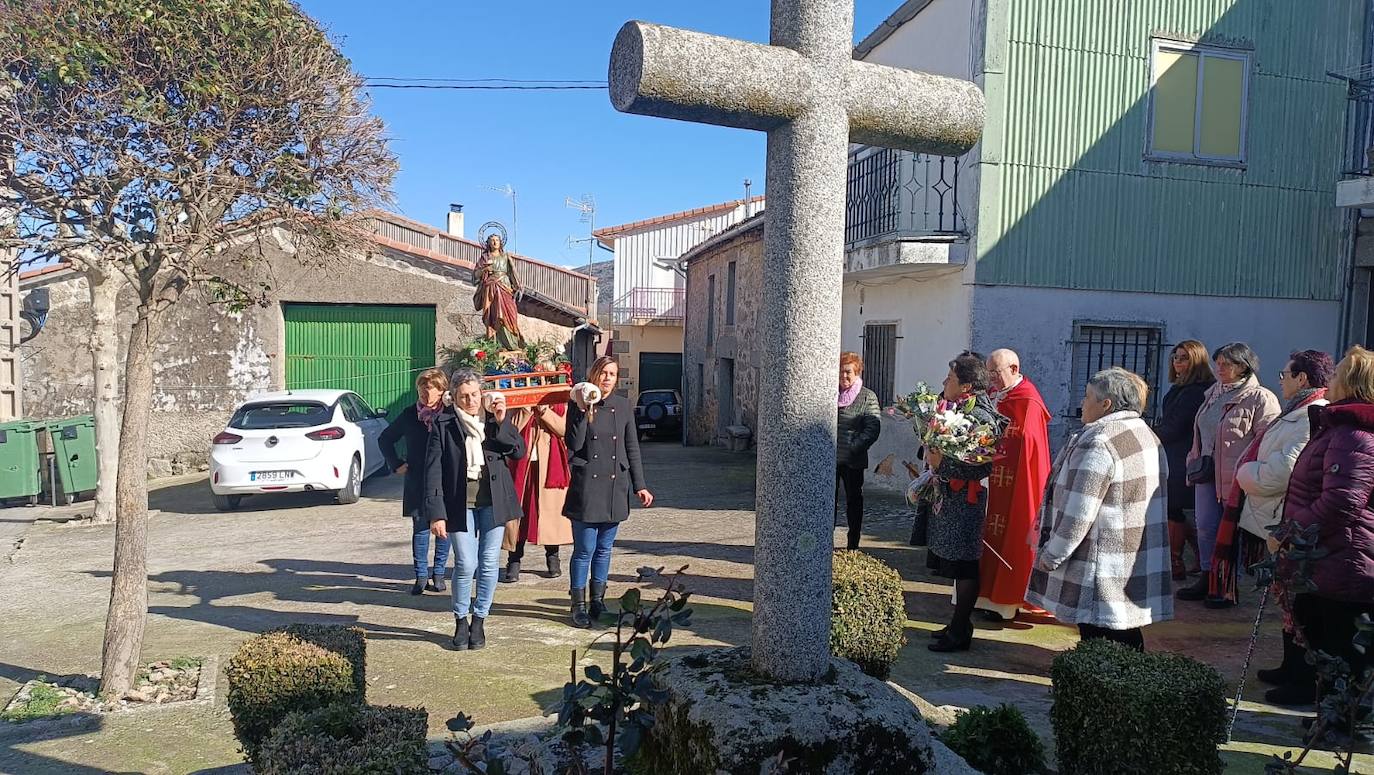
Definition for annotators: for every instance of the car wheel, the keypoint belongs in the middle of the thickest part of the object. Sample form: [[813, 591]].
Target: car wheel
[[354, 489], [227, 502]]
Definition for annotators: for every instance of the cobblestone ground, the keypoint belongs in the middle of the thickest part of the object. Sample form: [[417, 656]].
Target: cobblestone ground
[[215, 579]]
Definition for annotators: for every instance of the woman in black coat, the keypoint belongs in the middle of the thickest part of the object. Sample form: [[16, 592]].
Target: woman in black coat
[[412, 427], [603, 444], [1190, 373], [469, 494]]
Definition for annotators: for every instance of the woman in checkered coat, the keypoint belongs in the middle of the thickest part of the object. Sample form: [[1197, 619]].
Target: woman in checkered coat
[[1103, 561]]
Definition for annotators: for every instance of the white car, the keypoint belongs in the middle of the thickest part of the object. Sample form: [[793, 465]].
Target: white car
[[297, 441]]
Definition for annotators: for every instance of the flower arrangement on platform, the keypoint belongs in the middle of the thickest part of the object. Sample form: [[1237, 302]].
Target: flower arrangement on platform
[[487, 357]]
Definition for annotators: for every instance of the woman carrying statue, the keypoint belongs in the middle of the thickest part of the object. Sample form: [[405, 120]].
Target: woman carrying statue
[[497, 287]]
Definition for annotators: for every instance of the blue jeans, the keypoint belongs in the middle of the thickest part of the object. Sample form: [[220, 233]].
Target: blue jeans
[[419, 549], [479, 557], [1208, 515], [591, 553]]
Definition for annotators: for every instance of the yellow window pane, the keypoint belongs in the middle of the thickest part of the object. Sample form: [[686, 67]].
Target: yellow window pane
[[1223, 94], [1175, 101]]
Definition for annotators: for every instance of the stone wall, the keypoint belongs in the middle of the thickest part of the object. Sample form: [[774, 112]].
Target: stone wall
[[702, 361], [210, 358]]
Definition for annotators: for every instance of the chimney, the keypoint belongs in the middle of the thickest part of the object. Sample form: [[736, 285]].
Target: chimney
[[455, 220]]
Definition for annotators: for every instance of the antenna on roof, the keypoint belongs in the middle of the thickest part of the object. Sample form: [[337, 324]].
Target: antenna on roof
[[508, 190], [587, 206]]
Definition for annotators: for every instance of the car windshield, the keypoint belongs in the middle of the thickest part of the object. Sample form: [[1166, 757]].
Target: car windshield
[[657, 397], [281, 414]]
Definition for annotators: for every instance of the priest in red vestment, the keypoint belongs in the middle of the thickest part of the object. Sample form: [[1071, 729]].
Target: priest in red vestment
[[1015, 488]]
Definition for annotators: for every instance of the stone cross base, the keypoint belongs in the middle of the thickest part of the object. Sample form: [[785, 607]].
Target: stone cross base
[[722, 717]]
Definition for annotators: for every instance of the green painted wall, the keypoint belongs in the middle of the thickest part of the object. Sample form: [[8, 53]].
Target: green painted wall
[[373, 350], [1068, 199]]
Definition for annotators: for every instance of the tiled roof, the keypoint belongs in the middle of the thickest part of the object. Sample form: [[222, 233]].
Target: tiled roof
[[607, 235]]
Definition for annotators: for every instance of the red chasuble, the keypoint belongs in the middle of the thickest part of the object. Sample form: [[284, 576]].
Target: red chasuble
[[1015, 488]]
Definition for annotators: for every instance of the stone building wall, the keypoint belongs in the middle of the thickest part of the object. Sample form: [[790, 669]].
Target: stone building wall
[[703, 363], [211, 358]]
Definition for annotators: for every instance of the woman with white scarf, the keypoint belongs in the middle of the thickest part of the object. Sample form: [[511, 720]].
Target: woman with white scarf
[[469, 495]]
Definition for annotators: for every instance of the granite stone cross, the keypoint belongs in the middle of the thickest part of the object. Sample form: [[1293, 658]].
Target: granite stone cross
[[810, 96]]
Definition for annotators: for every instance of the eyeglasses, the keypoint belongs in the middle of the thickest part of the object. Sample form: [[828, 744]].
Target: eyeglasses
[[1287, 375]]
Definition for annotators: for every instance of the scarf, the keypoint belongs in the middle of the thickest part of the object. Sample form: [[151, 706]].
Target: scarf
[[1223, 579], [427, 414], [847, 396], [474, 433]]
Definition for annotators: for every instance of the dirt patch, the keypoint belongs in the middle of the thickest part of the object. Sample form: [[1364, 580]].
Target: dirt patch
[[159, 683]]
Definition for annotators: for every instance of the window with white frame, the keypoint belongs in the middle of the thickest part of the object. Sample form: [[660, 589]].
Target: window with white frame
[[1198, 98]]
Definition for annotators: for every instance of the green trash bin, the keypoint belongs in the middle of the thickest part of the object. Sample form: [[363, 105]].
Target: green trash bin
[[19, 462], [73, 447]]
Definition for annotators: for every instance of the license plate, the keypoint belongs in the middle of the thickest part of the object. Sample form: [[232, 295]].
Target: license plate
[[646, 425], [270, 476]]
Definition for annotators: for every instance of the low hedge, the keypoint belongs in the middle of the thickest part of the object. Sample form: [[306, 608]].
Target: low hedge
[[1122, 712], [868, 613], [347, 739], [996, 741], [296, 668]]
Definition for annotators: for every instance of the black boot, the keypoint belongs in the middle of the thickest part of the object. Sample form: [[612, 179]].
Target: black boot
[[461, 633], [1298, 694], [1198, 591], [419, 588], [477, 638], [1294, 658], [598, 606], [555, 569], [579, 608], [512, 573], [954, 639], [436, 583]]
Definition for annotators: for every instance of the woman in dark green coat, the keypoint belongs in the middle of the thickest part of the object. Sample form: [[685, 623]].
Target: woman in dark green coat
[[856, 430]]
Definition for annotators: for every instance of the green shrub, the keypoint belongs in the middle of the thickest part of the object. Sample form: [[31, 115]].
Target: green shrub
[[301, 667], [347, 739], [1119, 711], [868, 613], [996, 741]]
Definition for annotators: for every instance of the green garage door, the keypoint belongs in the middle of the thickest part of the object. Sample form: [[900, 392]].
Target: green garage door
[[373, 350], [660, 371]]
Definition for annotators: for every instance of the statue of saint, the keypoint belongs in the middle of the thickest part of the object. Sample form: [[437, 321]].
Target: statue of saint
[[497, 289]]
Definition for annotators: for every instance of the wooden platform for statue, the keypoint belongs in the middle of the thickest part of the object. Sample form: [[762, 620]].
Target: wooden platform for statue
[[531, 388]]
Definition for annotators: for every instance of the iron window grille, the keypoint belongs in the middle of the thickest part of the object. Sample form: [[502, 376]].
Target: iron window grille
[[880, 360], [1134, 347]]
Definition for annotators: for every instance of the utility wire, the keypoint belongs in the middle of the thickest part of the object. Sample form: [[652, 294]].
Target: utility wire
[[484, 80], [446, 87], [482, 84]]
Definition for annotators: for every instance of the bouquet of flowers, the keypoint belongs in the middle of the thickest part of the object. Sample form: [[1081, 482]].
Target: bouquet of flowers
[[947, 427]]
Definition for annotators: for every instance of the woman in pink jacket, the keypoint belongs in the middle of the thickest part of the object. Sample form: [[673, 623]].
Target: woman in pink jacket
[[1234, 410]]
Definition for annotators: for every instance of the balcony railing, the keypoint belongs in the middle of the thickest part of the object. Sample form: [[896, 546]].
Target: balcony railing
[[1359, 128], [650, 305], [899, 194], [571, 292]]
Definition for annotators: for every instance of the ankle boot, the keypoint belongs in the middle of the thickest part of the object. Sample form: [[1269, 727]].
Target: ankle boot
[[461, 633], [1294, 657], [579, 608], [598, 606], [436, 582], [555, 569], [956, 638], [419, 588], [1198, 590], [477, 637], [1178, 536], [512, 573]]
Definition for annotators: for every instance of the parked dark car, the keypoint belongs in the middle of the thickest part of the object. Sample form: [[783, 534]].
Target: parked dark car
[[659, 413]]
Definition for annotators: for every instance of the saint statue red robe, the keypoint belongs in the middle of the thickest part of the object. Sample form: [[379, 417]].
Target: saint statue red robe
[[1015, 488]]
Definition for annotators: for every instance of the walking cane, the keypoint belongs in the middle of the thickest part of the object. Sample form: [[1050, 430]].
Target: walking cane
[[1245, 669]]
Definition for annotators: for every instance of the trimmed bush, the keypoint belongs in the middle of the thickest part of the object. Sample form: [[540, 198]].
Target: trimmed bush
[[347, 739], [1122, 712], [868, 613], [996, 741], [297, 668]]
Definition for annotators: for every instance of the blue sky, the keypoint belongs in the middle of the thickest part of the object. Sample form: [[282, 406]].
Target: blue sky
[[548, 145]]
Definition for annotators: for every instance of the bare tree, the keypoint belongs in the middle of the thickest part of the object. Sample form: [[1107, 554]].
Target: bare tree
[[141, 139]]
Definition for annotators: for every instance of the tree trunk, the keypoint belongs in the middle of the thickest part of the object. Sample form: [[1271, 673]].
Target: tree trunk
[[105, 368], [128, 611]]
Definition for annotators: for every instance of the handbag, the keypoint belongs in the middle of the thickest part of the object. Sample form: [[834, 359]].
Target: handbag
[[1201, 471]]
